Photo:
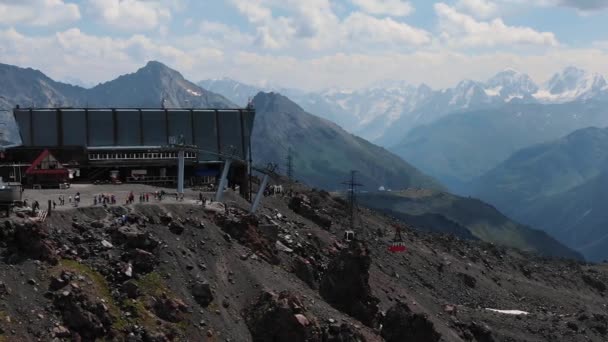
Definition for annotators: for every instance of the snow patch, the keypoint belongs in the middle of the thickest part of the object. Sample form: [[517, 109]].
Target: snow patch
[[509, 312], [193, 92], [493, 91], [509, 98]]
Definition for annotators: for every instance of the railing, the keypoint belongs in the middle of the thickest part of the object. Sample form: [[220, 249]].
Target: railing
[[139, 156], [151, 179]]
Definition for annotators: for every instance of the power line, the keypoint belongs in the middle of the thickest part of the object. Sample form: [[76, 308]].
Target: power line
[[352, 197]]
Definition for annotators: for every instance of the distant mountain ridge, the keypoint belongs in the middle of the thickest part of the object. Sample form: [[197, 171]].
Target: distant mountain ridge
[[386, 111], [463, 146], [467, 218], [558, 186]]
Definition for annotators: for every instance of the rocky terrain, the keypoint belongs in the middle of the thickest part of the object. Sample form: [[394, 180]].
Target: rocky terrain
[[181, 272]]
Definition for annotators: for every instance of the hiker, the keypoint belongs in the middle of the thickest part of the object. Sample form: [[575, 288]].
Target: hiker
[[147, 197], [70, 199]]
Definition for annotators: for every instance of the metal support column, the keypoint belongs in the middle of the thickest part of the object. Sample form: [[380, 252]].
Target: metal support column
[[259, 195], [180, 171], [223, 180]]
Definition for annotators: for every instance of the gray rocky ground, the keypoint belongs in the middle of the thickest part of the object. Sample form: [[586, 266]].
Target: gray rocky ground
[[175, 271]]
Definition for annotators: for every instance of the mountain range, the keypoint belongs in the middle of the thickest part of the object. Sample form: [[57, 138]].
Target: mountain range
[[385, 112], [558, 186], [324, 153], [461, 147]]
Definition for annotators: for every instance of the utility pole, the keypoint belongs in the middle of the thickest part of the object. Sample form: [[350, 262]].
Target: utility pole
[[289, 166], [352, 197]]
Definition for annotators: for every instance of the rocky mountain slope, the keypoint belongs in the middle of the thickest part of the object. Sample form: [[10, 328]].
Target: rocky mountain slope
[[554, 186], [324, 153], [467, 218], [179, 273], [460, 147], [150, 85]]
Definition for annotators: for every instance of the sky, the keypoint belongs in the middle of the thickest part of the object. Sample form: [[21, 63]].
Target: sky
[[306, 44]]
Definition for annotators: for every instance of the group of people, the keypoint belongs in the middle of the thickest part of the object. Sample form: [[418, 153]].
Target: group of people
[[104, 199], [144, 197]]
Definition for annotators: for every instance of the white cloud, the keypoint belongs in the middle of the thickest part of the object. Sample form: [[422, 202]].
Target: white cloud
[[361, 28], [601, 44], [583, 5], [458, 29], [395, 8], [314, 25], [271, 32], [482, 9], [130, 15], [38, 12], [220, 34], [443, 68], [72, 53]]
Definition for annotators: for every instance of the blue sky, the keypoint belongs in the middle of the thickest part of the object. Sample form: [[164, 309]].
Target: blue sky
[[311, 44]]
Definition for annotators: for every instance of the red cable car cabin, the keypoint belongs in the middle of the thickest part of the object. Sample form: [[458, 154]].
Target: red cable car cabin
[[397, 246]]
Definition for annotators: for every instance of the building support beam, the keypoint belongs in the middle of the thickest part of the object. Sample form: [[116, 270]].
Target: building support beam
[[180, 171], [259, 195], [223, 180]]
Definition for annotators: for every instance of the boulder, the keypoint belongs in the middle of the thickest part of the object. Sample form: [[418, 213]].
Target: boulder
[[133, 237], [345, 284], [201, 291], [33, 240], [468, 280], [245, 230], [142, 261], [301, 206], [85, 315], [481, 332], [304, 270], [401, 324], [131, 289], [97, 224], [170, 309], [166, 218], [281, 317], [341, 333], [57, 283], [176, 228], [4, 289]]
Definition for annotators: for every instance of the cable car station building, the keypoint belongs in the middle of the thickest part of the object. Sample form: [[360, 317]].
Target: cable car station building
[[129, 145]]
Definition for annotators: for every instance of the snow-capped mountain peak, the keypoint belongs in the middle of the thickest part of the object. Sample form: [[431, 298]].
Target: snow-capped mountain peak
[[572, 84], [510, 84]]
